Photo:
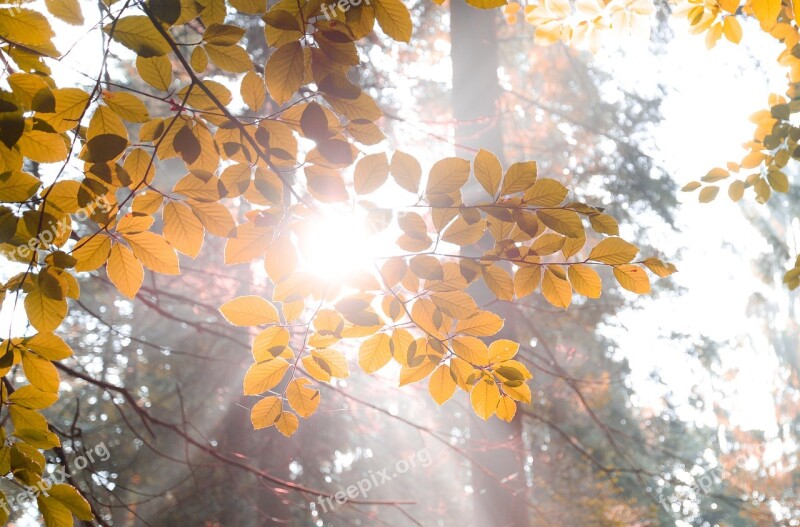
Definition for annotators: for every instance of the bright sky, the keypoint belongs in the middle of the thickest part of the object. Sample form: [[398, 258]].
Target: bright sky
[[710, 96]]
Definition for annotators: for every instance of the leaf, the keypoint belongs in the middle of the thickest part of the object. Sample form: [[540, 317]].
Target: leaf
[[70, 105], [633, 278], [526, 280], [285, 71], [155, 71], [371, 173], [556, 289], [604, 224], [778, 181], [613, 251], [199, 60], [265, 412], [374, 353], [67, 10], [462, 233], [42, 147], [441, 385], [488, 171], [562, 221], [499, 282], [502, 350], [506, 409], [154, 252], [45, 314], [253, 90], [25, 26], [138, 34], [659, 268], [250, 242], [482, 324], [708, 194], [249, 310], [486, 4], [264, 376], [49, 346], [585, 280], [766, 11], [70, 498], [447, 175], [457, 304], [270, 343], [302, 400], [40, 372], [715, 174], [394, 19], [406, 171], [127, 106], [287, 423], [736, 190], [229, 58], [519, 178], [32, 397], [18, 186], [182, 229], [732, 29], [223, 34], [124, 270], [485, 397], [545, 193]]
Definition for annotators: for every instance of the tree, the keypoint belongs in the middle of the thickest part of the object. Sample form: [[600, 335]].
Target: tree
[[412, 307]]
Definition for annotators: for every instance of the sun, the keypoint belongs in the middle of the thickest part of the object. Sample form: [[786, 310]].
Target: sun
[[336, 245]]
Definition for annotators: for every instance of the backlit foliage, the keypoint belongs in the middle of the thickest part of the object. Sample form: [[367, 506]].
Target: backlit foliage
[[108, 213]]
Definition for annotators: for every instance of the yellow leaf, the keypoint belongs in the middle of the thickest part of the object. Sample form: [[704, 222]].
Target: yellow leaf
[[25, 26], [229, 58], [251, 242], [441, 384], [766, 11], [736, 188], [457, 304], [485, 397], [555, 289], [284, 71], [406, 171], [471, 349], [264, 376], [124, 270], [462, 233], [519, 178], [127, 106], [137, 33], [92, 252], [49, 346], [154, 252], [331, 361], [613, 251], [42, 147], [732, 29], [488, 171], [502, 350], [394, 18], [31, 397], [506, 409], [633, 278], [585, 280], [265, 412], [270, 343], [45, 314], [70, 104], [499, 282], [545, 193], [371, 173], [18, 186], [562, 221], [216, 217], [155, 71], [447, 175], [249, 310], [482, 324], [69, 497], [40, 372], [304, 401], [374, 353], [199, 59], [287, 423], [182, 229], [708, 194], [409, 374], [659, 268], [253, 91], [526, 280]]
